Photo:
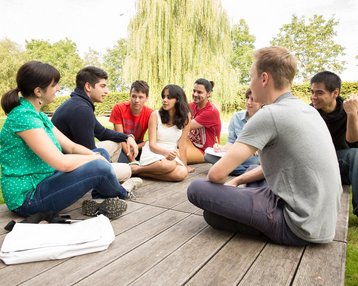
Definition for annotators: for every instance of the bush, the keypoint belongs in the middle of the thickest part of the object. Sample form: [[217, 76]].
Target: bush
[[101, 108], [300, 90]]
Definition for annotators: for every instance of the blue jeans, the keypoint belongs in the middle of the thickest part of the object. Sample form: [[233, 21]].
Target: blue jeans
[[348, 166], [103, 152], [61, 190], [253, 160]]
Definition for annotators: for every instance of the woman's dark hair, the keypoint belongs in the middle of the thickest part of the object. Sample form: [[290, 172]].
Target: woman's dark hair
[[209, 85], [29, 76], [89, 74], [181, 106]]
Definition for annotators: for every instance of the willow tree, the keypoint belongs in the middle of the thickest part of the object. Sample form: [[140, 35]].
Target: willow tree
[[178, 41]]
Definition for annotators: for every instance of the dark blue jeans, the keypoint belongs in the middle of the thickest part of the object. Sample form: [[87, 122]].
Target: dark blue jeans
[[103, 152], [348, 166], [60, 190]]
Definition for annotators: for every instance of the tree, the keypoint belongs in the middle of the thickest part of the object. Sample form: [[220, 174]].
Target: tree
[[92, 58], [63, 55], [313, 43], [11, 58], [178, 41], [243, 49], [113, 63]]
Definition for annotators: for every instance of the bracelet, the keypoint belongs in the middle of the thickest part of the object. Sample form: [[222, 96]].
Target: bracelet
[[131, 135]]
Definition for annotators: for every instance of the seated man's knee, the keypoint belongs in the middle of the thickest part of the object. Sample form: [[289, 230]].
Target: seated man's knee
[[195, 188], [122, 171]]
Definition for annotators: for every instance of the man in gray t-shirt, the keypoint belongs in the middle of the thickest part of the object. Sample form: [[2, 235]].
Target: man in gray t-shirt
[[299, 201]]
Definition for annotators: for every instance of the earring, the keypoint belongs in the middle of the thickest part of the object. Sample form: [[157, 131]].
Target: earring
[[40, 101]]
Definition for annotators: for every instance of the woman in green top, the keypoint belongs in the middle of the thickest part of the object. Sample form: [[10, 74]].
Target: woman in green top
[[42, 170]]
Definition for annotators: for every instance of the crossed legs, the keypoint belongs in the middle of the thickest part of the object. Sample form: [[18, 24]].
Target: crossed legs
[[164, 170]]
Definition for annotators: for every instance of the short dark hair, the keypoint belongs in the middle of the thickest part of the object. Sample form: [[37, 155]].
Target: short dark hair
[[209, 85], [140, 86], [89, 74], [331, 80]]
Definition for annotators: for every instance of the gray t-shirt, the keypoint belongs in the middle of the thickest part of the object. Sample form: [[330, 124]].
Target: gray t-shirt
[[299, 163]]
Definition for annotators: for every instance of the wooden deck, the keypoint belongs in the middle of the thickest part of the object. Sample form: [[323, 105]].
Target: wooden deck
[[163, 240]]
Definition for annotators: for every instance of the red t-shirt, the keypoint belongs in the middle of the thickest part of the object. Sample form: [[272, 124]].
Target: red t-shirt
[[132, 124], [209, 134]]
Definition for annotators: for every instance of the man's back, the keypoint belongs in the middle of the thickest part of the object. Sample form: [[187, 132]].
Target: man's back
[[299, 163], [75, 119]]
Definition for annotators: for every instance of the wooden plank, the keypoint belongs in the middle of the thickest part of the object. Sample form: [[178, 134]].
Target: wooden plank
[[276, 265], [155, 245], [19, 273], [343, 216], [76, 268], [175, 269], [188, 207], [158, 190], [322, 264], [230, 264], [132, 265]]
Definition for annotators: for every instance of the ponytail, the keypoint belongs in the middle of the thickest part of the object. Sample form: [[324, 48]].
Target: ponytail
[[10, 100]]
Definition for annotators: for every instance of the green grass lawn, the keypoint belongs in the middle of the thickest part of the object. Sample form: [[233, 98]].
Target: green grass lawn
[[352, 250]]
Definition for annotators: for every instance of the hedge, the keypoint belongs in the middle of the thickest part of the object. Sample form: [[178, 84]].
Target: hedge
[[300, 90], [101, 108]]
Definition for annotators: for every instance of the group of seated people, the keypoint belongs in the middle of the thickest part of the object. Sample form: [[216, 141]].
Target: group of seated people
[[287, 180]]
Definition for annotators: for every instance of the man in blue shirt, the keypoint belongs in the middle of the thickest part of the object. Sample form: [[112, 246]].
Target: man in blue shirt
[[237, 122]]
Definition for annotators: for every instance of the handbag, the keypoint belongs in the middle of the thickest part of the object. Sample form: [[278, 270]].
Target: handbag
[[29, 242]]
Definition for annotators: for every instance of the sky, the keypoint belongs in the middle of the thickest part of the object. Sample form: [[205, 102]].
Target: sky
[[100, 24]]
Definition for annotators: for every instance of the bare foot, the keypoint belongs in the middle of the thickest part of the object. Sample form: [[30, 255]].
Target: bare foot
[[190, 169]]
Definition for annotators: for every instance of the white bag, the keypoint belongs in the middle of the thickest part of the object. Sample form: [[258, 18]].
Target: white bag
[[29, 242]]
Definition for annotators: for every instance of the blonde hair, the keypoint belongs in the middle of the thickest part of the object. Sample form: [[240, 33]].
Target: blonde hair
[[279, 62]]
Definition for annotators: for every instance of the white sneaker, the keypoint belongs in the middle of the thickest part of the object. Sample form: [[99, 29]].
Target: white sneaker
[[131, 185]]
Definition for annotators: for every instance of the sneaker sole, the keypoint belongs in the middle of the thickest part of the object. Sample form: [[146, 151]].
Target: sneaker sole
[[111, 207]]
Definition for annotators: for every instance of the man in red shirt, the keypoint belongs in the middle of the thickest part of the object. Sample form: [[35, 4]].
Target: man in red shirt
[[205, 126], [132, 117]]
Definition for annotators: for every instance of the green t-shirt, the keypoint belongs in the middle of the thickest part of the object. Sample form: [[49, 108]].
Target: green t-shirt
[[22, 169]]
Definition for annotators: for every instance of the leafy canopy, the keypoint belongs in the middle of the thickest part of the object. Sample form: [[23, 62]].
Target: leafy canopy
[[243, 49], [313, 43]]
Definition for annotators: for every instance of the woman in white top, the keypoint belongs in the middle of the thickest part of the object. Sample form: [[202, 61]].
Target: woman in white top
[[164, 155]]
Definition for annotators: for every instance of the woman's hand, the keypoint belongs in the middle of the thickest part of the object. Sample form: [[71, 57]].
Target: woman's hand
[[218, 147], [171, 155]]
